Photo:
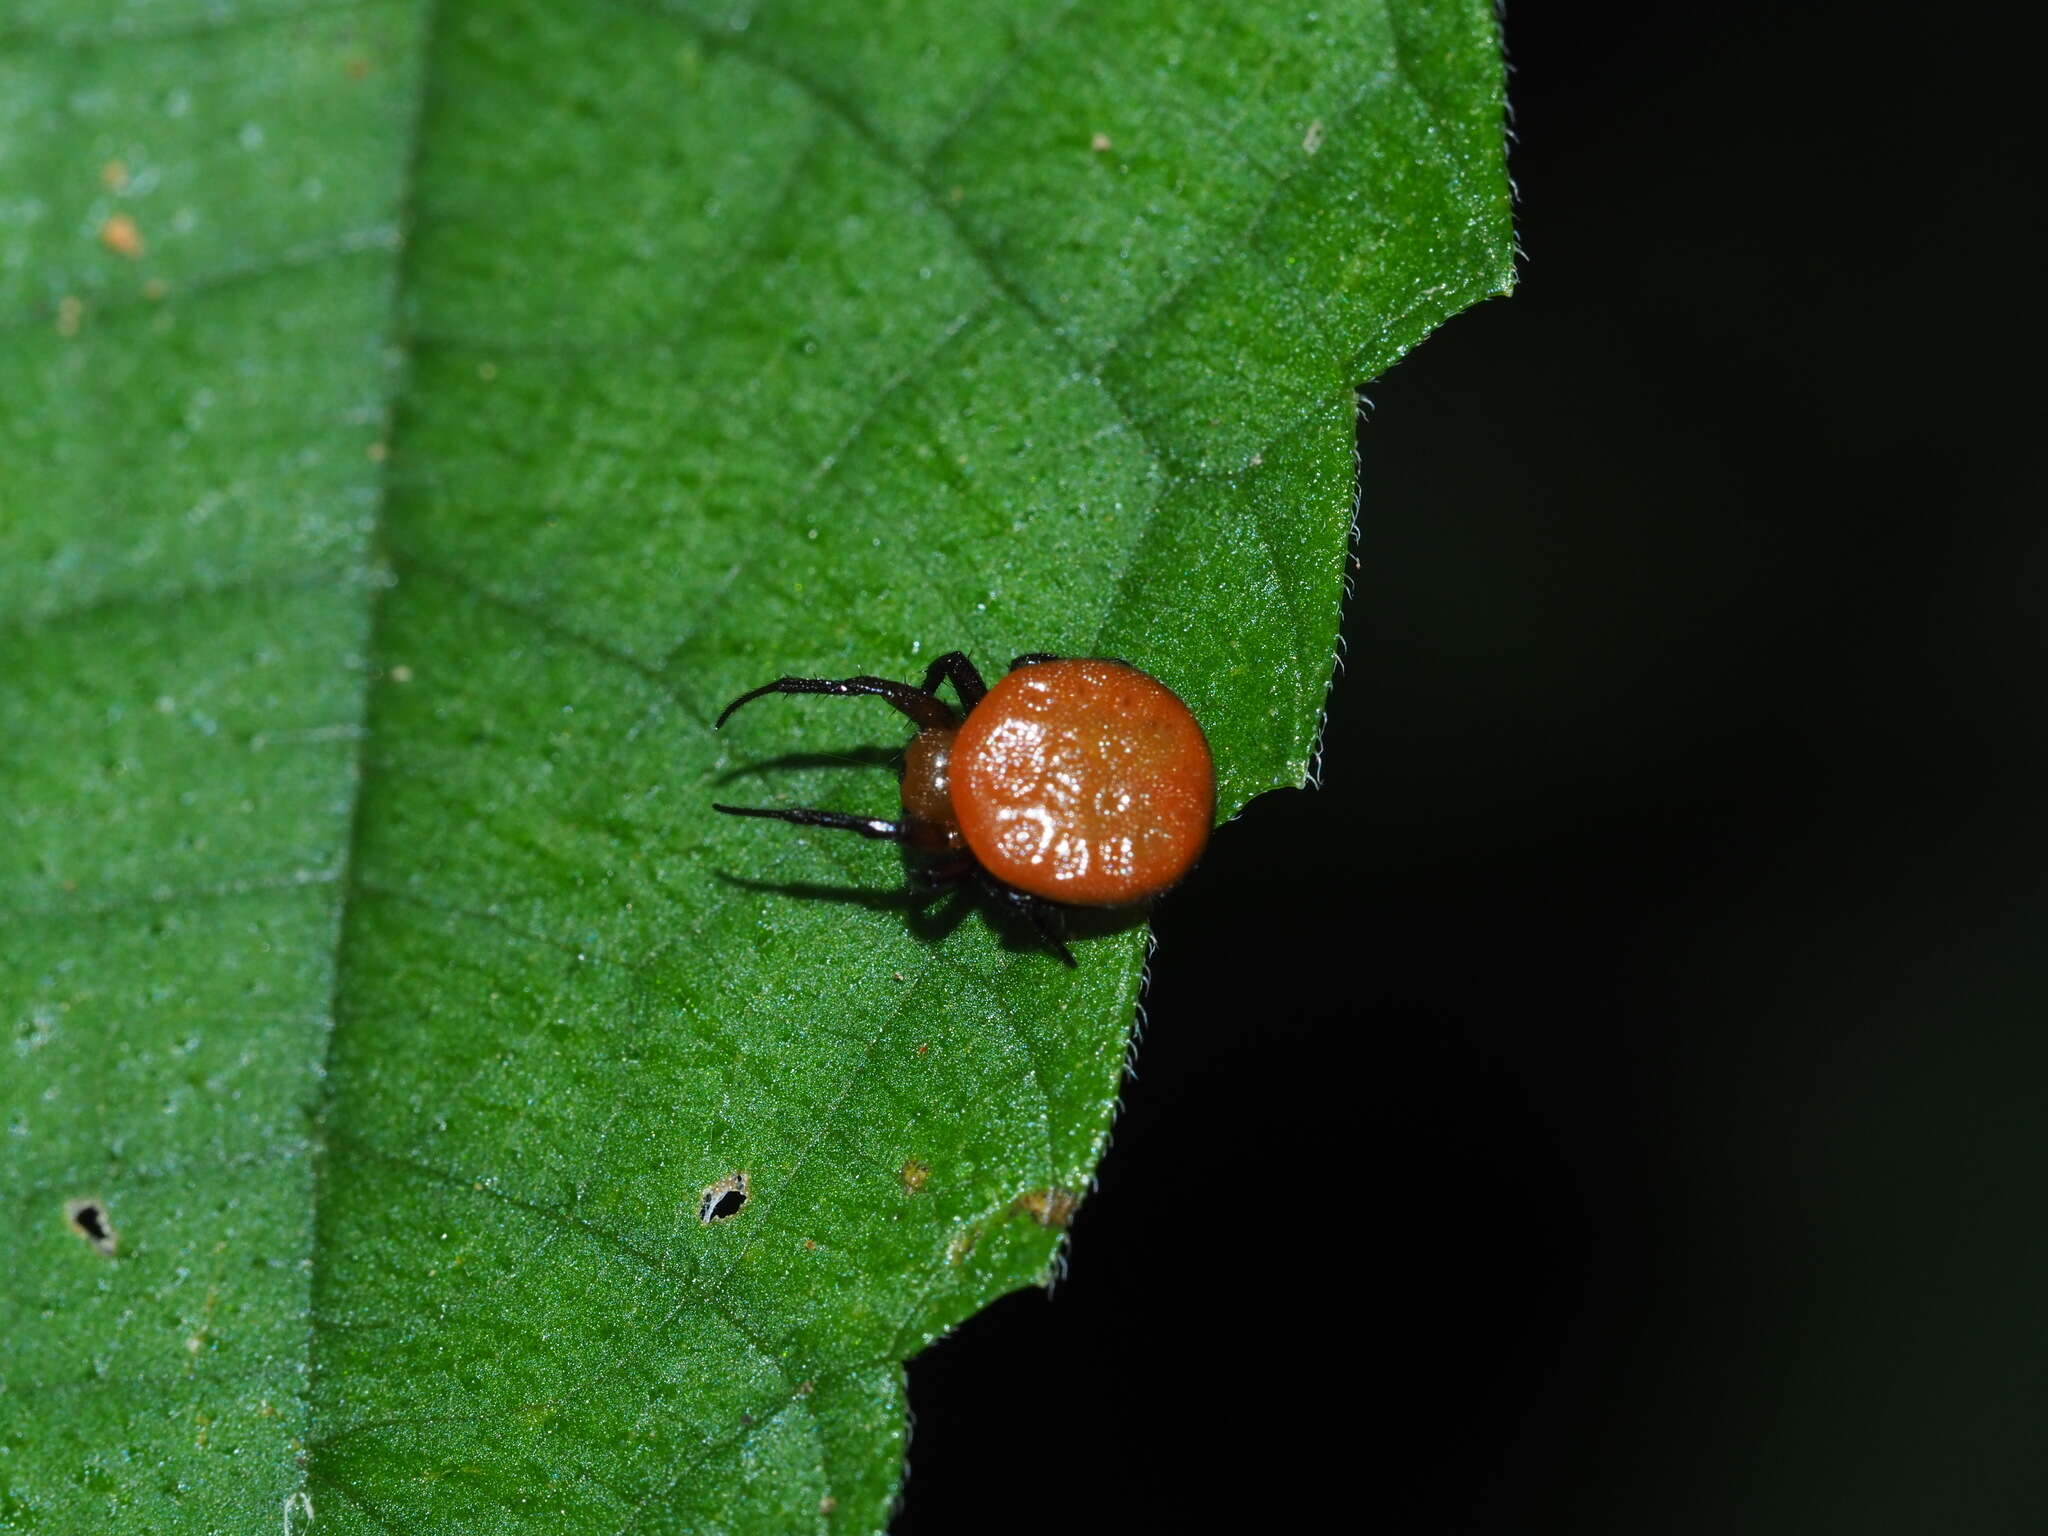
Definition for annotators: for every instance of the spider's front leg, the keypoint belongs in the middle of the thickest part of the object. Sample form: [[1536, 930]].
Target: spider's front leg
[[919, 704], [955, 668]]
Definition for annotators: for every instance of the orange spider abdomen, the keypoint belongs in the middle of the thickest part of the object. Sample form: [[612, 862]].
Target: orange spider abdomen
[[1084, 782]]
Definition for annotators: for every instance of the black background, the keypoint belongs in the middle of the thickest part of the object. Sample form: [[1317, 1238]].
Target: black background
[[1619, 1099]]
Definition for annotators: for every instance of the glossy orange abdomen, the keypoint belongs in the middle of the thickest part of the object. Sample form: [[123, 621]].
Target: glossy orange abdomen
[[1085, 782]]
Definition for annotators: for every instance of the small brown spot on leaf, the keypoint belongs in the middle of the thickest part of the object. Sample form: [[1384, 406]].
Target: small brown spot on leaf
[[806, 1388], [913, 1173], [827, 1504], [723, 1200], [1099, 143], [70, 311], [88, 1218], [114, 176], [357, 68], [1049, 1207], [121, 236], [155, 289], [403, 674]]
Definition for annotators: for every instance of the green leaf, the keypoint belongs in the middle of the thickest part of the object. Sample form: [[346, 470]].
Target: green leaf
[[415, 420]]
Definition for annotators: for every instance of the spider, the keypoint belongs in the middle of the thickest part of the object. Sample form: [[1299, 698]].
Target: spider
[[1071, 783]]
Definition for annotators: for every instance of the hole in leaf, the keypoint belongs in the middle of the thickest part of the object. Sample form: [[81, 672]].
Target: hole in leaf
[[722, 1201], [88, 1218]]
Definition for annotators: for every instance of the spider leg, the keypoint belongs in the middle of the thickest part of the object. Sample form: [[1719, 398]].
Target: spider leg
[[936, 877], [1033, 658], [1043, 916], [954, 667], [866, 826], [931, 882], [919, 704]]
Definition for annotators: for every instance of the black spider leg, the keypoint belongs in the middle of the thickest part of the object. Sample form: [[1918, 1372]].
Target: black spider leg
[[1033, 658], [866, 826], [1043, 916], [930, 879], [955, 668], [921, 705]]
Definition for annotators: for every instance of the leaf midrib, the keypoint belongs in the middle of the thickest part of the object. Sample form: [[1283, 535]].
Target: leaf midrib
[[398, 379]]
